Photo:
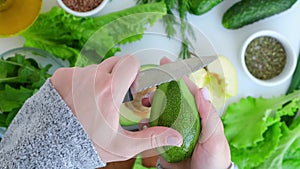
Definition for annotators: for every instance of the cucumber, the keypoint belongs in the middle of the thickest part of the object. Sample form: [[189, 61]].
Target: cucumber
[[295, 82], [199, 7], [174, 106], [246, 12]]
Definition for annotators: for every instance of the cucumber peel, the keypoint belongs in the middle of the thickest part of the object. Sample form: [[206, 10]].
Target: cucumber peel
[[174, 106]]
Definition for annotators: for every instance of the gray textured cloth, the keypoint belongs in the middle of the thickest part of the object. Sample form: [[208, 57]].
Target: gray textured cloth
[[46, 134]]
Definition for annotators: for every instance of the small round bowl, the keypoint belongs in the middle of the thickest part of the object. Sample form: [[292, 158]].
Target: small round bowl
[[291, 59], [42, 57], [92, 12]]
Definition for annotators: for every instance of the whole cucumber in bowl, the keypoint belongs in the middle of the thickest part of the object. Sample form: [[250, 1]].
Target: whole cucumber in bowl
[[246, 12]]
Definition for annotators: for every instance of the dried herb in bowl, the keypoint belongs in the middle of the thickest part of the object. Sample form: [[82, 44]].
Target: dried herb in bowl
[[265, 57]]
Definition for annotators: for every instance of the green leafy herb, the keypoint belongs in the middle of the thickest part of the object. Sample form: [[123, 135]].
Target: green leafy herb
[[245, 157], [20, 77], [64, 35], [182, 8], [276, 159], [170, 21], [258, 135], [291, 157], [261, 111]]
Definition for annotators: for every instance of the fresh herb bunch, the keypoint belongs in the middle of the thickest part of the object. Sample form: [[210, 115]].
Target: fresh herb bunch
[[170, 21], [20, 78], [182, 8]]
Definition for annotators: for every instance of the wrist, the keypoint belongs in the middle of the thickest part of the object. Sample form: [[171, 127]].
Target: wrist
[[62, 83]]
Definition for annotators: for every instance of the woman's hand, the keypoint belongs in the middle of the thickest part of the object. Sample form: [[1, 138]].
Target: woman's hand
[[212, 150], [95, 94]]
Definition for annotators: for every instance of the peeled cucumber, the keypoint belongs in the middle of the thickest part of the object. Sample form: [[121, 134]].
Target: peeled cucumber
[[174, 106]]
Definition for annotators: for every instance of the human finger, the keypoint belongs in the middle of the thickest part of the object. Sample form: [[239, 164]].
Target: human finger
[[151, 138], [123, 75], [210, 119], [143, 124], [164, 60], [108, 64]]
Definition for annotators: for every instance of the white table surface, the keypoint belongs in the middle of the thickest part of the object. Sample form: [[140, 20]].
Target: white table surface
[[226, 42]]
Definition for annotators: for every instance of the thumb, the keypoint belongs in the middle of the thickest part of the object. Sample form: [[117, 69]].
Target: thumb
[[154, 137]]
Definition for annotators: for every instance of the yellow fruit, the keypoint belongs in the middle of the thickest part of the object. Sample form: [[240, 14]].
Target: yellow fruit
[[220, 78], [225, 69]]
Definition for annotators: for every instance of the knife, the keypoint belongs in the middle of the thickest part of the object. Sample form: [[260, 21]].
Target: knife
[[172, 71]]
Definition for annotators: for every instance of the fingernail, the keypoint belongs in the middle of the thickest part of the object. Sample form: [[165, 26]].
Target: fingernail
[[143, 124], [173, 140], [144, 127], [205, 94]]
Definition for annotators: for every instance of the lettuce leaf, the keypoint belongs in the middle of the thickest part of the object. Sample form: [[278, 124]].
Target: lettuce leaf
[[247, 120], [276, 160], [248, 158], [259, 137], [292, 156], [64, 35]]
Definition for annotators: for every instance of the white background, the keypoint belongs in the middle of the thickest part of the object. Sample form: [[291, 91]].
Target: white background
[[226, 42]]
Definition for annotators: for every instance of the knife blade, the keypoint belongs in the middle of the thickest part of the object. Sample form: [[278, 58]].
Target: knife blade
[[172, 71]]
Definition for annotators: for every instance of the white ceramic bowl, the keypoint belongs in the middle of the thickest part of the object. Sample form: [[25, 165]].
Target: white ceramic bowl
[[291, 59], [92, 12]]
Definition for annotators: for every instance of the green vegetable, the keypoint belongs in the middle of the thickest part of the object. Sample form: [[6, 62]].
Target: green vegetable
[[291, 157], [199, 7], [244, 157], [246, 12], [258, 136], [174, 106], [295, 82], [65, 35], [183, 7], [263, 111], [294, 85], [20, 78], [276, 160]]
